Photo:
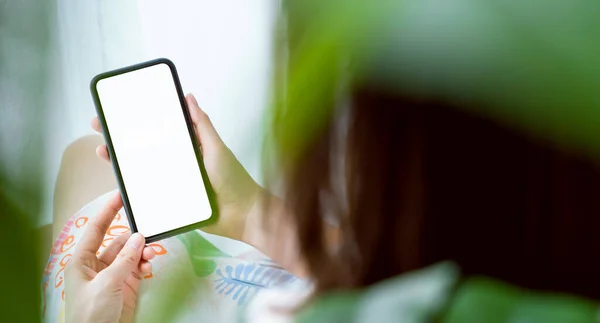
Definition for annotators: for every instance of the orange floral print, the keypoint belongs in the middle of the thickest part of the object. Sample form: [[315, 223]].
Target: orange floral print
[[159, 250], [67, 244], [59, 277], [81, 221], [117, 230]]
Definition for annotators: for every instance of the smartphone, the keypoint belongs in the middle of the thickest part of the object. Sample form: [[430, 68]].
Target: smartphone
[[153, 149]]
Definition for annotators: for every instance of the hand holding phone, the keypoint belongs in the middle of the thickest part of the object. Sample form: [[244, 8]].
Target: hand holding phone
[[236, 192], [153, 148]]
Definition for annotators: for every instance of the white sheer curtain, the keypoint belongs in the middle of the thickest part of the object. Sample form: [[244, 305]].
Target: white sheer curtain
[[222, 50]]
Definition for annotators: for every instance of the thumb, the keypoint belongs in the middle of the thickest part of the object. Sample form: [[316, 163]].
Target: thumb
[[208, 136], [127, 260]]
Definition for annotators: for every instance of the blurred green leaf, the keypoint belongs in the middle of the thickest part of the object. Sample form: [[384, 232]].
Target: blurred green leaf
[[20, 271], [174, 293], [485, 300], [338, 307], [201, 253], [24, 46]]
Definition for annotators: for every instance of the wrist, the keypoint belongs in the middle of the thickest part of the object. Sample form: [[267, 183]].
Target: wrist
[[254, 220]]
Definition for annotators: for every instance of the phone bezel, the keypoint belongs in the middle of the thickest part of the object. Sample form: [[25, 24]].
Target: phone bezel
[[114, 159]]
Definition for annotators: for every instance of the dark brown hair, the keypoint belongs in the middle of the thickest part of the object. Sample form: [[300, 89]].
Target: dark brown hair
[[417, 182]]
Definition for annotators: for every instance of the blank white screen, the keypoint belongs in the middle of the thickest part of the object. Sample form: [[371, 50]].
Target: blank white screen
[[154, 151]]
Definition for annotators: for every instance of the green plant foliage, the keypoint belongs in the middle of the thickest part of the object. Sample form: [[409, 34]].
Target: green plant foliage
[[175, 292], [20, 271], [485, 300], [24, 40], [201, 253]]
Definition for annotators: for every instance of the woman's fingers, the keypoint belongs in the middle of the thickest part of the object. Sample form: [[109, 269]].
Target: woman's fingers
[[148, 253], [94, 234], [127, 261], [145, 267], [102, 152], [108, 255], [208, 136], [96, 125]]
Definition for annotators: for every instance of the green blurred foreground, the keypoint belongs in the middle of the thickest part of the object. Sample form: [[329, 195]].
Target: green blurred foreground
[[533, 64], [24, 36], [424, 297]]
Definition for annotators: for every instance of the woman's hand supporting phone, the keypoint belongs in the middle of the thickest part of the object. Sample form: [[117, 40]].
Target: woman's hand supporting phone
[[239, 197]]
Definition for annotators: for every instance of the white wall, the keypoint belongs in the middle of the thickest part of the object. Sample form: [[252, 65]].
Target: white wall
[[222, 50]]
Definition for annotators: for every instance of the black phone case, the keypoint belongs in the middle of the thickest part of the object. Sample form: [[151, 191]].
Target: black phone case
[[114, 159]]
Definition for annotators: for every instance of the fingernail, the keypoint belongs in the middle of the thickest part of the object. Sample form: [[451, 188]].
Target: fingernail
[[135, 241]]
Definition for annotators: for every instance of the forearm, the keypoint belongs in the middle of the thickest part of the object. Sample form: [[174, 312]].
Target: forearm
[[270, 230]]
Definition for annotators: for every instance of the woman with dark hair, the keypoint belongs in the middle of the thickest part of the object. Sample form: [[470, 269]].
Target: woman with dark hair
[[400, 154]]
